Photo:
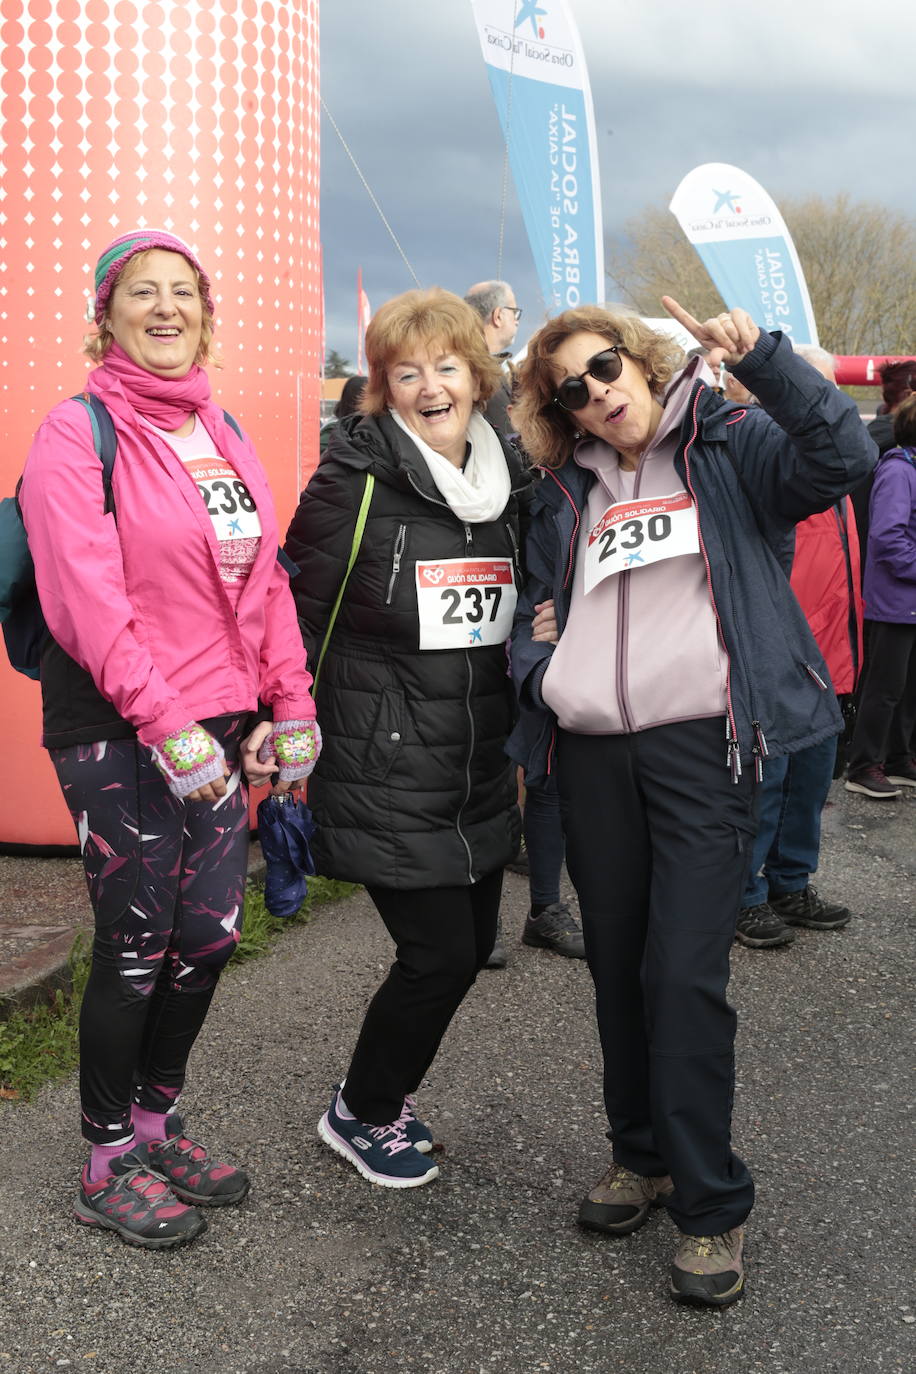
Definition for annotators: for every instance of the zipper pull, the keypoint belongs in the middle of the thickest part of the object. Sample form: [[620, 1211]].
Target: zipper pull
[[758, 764], [761, 739], [396, 561], [734, 759], [816, 676], [728, 739], [467, 538], [515, 553]]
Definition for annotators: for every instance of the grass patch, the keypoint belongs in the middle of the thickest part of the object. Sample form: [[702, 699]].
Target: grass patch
[[40, 1044]]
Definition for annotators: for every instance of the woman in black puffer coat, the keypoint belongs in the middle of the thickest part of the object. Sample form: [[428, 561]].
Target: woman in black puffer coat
[[414, 795]]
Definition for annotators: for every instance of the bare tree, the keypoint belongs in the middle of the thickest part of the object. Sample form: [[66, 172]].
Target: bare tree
[[859, 261]]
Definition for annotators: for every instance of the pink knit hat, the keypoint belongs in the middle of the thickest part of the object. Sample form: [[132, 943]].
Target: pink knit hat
[[119, 252]]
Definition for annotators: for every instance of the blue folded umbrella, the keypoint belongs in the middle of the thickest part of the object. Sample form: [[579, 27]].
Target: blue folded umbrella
[[285, 827]]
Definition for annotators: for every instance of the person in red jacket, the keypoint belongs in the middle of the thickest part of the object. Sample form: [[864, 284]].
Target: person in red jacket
[[826, 580]]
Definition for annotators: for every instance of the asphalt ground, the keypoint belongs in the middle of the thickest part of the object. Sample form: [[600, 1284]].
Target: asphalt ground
[[485, 1269]]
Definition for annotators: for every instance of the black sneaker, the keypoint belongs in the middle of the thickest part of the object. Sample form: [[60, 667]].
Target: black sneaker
[[498, 958], [806, 908], [187, 1168], [872, 782], [382, 1154], [902, 772], [520, 863], [137, 1206], [759, 927], [556, 928]]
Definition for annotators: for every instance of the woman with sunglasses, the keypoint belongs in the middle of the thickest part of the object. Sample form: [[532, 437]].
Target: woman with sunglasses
[[660, 657]]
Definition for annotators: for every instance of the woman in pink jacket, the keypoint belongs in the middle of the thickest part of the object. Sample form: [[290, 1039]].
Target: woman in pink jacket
[[169, 620]]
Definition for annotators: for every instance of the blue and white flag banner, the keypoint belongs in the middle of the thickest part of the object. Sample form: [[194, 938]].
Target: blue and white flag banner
[[540, 84], [744, 244]]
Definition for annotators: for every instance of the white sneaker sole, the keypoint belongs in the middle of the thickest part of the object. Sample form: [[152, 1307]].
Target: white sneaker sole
[[346, 1151], [896, 779], [867, 791]]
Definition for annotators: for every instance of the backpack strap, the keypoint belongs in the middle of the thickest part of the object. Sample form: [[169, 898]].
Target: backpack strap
[[358, 532], [104, 440], [233, 423]]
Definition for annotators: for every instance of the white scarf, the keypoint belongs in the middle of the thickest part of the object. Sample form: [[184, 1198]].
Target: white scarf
[[481, 490]]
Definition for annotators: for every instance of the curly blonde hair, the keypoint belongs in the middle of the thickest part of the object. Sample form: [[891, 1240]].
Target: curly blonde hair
[[97, 344], [421, 319], [547, 431]]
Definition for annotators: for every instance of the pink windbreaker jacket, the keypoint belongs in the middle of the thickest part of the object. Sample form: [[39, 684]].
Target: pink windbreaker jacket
[[137, 599]]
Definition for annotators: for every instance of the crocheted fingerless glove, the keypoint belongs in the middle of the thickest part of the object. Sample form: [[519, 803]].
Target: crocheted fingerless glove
[[296, 744], [189, 758]]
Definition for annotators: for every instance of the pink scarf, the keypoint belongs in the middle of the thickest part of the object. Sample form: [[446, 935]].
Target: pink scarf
[[165, 401]]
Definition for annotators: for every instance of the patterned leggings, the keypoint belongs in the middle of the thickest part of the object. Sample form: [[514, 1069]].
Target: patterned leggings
[[166, 880]]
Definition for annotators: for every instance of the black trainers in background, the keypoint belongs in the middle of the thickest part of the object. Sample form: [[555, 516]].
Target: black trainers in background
[[556, 928], [759, 927], [497, 957], [806, 908], [520, 863], [901, 772], [872, 782]]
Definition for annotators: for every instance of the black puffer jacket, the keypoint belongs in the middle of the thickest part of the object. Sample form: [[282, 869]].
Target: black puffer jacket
[[413, 788]]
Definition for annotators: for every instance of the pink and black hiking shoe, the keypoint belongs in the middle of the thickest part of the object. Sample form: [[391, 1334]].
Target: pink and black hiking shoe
[[138, 1206], [187, 1168]]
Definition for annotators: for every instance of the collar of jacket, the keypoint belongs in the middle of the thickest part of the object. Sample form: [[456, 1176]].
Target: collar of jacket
[[713, 418], [377, 443]]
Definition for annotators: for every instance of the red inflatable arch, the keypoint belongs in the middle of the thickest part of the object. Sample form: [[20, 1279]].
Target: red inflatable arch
[[201, 118]]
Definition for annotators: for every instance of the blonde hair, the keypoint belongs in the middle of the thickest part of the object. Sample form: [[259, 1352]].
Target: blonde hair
[[96, 345], [547, 431], [421, 319]]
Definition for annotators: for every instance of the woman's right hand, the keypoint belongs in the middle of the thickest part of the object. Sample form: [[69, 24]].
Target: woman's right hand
[[544, 624]]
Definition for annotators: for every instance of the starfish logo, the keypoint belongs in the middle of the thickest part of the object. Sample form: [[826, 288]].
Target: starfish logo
[[725, 200], [531, 12]]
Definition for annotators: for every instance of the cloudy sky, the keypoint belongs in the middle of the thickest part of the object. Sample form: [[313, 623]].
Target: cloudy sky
[[808, 96]]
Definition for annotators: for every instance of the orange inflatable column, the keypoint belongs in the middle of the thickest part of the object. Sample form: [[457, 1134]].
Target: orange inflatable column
[[201, 118]]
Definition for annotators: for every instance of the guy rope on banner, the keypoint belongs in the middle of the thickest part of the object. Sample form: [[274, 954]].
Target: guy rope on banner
[[346, 148], [505, 187]]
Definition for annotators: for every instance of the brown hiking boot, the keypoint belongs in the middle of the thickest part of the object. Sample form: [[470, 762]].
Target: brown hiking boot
[[620, 1203], [709, 1269]]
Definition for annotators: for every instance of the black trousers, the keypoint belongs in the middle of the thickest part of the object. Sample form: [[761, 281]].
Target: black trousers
[[442, 935], [886, 718], [658, 841], [166, 880]]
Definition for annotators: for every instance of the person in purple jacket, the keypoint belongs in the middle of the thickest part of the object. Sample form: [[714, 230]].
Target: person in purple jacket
[[881, 759], [170, 621]]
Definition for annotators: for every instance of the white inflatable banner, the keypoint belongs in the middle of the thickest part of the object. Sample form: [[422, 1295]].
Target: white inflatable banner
[[744, 244], [540, 84]]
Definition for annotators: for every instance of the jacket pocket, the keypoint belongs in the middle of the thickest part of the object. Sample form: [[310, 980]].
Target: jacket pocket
[[384, 743], [397, 553]]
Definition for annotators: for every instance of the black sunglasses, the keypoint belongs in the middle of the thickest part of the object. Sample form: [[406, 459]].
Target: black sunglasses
[[606, 366]]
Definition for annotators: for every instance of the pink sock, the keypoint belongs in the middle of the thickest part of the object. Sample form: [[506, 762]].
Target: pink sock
[[148, 1125], [101, 1157]]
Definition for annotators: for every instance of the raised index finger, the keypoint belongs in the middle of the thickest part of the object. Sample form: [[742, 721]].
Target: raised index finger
[[681, 315]]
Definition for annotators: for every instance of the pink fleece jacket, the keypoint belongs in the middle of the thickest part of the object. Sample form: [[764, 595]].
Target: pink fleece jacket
[[139, 603], [642, 648]]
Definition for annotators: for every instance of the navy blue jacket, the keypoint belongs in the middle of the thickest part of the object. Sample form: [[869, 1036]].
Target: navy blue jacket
[[752, 474]]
